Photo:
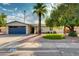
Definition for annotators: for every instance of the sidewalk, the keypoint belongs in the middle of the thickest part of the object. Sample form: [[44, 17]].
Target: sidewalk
[[48, 49]]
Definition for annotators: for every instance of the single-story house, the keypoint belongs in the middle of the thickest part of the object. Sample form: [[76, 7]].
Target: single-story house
[[16, 27]]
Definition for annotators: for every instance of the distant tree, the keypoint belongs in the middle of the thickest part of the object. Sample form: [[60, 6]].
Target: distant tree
[[2, 19], [66, 14], [49, 23], [52, 20], [69, 15]]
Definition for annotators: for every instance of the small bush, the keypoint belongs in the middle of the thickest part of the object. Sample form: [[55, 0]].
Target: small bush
[[72, 34], [54, 36]]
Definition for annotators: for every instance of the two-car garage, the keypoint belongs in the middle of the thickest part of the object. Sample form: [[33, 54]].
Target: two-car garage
[[17, 30], [16, 27]]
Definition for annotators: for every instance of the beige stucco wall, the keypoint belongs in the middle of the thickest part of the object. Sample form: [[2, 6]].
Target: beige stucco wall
[[3, 30], [45, 29], [59, 30], [77, 29]]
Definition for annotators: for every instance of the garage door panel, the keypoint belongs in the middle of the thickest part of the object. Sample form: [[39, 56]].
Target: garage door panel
[[17, 30]]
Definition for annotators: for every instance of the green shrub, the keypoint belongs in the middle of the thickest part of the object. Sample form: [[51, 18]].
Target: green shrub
[[54, 36], [72, 34]]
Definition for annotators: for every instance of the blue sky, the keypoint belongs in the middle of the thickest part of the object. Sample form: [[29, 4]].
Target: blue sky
[[14, 11]]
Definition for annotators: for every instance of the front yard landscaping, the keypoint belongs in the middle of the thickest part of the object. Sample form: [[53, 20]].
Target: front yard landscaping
[[54, 36]]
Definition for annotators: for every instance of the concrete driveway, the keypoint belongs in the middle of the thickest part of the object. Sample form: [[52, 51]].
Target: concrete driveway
[[9, 38]]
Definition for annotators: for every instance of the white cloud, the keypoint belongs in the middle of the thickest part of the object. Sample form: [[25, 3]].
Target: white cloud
[[50, 5], [29, 18], [10, 18], [10, 10], [4, 9], [20, 17], [16, 9], [6, 3]]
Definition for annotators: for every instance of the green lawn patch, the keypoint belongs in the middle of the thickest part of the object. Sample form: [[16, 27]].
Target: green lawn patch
[[54, 36]]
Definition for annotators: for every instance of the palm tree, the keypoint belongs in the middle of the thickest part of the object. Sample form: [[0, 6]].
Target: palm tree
[[40, 10]]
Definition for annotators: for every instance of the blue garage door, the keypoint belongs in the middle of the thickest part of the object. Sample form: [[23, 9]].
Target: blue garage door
[[17, 30]]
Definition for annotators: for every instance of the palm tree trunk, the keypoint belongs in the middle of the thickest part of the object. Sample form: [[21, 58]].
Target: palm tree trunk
[[39, 25]]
